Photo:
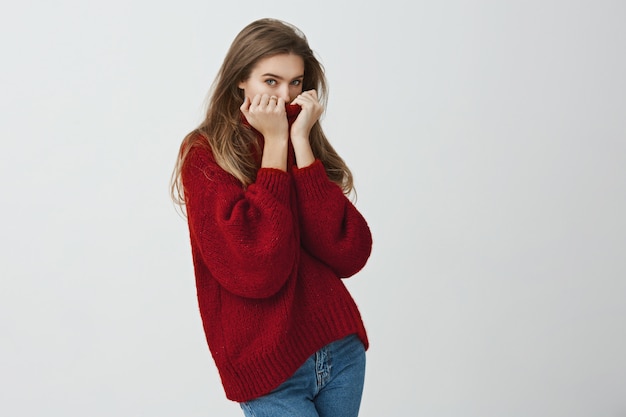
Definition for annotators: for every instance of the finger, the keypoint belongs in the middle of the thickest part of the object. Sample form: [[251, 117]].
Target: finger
[[256, 100], [267, 98], [310, 93], [307, 97], [300, 99], [304, 102], [245, 105]]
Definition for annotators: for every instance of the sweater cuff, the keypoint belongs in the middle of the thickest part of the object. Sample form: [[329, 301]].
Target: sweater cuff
[[275, 181], [312, 181]]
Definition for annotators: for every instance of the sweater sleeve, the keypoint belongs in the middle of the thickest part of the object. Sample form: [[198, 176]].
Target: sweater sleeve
[[332, 229], [245, 238]]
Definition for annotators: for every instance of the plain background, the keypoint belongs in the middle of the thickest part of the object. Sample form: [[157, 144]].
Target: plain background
[[488, 142]]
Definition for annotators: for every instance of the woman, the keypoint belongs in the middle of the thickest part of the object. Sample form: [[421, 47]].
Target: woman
[[272, 232]]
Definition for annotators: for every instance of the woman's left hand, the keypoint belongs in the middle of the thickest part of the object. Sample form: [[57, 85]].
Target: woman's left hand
[[310, 113]]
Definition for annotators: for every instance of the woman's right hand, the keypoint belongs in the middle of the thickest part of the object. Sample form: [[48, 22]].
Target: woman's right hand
[[267, 114]]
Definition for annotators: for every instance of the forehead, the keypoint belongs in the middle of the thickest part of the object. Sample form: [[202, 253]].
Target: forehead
[[284, 65]]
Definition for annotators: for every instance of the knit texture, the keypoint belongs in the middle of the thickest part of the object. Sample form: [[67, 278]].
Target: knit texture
[[268, 261]]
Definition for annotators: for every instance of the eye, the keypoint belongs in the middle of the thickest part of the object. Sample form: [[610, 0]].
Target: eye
[[296, 82], [270, 82]]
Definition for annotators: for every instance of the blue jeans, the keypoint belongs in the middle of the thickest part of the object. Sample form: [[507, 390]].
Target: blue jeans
[[329, 384]]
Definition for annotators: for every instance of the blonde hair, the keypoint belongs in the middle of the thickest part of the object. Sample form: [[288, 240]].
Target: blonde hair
[[232, 144]]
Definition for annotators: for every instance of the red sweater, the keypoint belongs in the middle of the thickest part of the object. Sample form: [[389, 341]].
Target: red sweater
[[268, 262]]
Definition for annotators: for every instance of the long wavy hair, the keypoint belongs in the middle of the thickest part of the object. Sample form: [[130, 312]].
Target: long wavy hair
[[234, 145]]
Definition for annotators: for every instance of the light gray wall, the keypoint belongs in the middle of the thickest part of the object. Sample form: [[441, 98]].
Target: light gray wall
[[488, 143]]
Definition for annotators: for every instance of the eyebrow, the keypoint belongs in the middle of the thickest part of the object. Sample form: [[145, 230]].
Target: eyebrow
[[267, 74]]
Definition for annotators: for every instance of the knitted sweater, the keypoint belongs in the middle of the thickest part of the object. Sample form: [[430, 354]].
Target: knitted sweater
[[268, 261]]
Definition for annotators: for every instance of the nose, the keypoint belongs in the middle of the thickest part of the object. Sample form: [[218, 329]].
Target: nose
[[284, 93]]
